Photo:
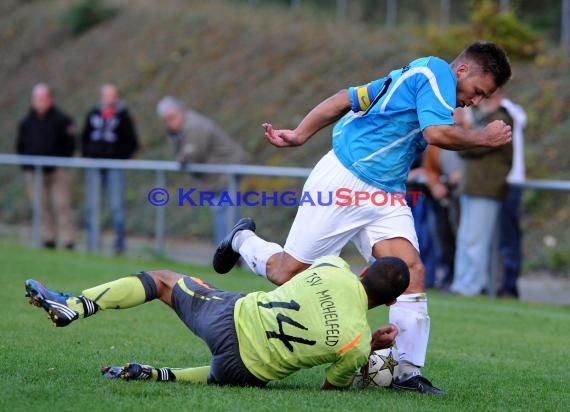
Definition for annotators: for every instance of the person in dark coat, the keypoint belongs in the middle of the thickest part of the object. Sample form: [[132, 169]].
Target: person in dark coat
[[48, 131], [109, 133]]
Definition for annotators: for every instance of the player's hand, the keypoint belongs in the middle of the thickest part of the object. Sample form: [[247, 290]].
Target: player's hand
[[384, 337], [280, 137], [454, 178], [498, 133], [439, 191]]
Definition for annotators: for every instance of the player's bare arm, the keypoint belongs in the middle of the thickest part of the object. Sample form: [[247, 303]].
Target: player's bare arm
[[324, 114], [495, 134], [384, 337]]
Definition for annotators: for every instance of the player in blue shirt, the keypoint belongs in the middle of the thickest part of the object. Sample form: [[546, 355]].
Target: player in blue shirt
[[382, 126], [381, 135]]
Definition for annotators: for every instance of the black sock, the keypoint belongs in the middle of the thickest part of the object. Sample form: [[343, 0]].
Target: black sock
[[89, 307], [165, 375]]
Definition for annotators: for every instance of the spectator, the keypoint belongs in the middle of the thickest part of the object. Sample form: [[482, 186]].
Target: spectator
[[47, 131], [443, 169], [109, 133], [421, 207], [197, 139], [484, 187], [510, 239]]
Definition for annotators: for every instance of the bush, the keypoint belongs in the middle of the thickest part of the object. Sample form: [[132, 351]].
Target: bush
[[486, 22], [80, 17]]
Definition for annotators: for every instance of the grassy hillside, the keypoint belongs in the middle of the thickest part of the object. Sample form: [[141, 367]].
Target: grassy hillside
[[241, 66]]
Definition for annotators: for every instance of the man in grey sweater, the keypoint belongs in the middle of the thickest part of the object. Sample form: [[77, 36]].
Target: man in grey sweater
[[197, 139]]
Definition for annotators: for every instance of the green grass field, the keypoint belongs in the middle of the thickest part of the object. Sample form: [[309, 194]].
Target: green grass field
[[488, 354]]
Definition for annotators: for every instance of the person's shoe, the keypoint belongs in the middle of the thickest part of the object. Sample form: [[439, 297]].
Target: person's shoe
[[49, 244], [131, 371], [119, 251], [416, 383], [112, 372], [225, 258], [54, 303], [508, 294]]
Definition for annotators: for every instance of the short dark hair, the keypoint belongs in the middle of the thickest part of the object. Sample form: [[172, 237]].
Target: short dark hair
[[386, 279], [491, 58]]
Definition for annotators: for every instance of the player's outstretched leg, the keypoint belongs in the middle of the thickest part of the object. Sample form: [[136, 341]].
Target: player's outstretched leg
[[131, 371], [136, 371], [225, 258], [263, 258], [63, 308]]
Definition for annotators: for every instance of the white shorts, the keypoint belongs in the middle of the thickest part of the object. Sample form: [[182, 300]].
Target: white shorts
[[324, 229]]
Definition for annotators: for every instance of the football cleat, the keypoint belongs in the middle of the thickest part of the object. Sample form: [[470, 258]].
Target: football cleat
[[54, 303], [112, 372], [131, 371], [225, 258], [416, 383]]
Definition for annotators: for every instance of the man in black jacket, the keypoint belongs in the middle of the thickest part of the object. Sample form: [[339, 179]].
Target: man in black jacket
[[109, 133], [47, 131]]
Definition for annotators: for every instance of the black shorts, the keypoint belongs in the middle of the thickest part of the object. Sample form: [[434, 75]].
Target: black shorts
[[209, 313]]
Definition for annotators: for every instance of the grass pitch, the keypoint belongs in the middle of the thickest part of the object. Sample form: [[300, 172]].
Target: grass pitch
[[488, 354]]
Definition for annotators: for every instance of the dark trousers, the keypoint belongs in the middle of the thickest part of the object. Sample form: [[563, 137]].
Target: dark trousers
[[510, 239], [447, 218], [424, 214]]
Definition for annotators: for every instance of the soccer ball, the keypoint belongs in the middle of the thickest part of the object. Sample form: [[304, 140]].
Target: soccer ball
[[380, 371]]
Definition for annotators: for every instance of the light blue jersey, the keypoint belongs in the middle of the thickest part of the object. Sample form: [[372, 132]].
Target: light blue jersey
[[380, 138]]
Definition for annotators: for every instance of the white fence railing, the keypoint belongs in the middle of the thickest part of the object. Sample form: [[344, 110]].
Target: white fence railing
[[159, 167], [162, 167]]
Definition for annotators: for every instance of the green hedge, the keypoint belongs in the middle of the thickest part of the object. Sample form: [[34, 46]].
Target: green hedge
[[487, 22], [85, 14]]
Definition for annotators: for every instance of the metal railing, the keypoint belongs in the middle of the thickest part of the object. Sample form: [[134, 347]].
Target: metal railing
[[158, 166], [161, 167]]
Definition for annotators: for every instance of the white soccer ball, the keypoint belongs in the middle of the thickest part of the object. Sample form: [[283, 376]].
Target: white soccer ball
[[380, 371]]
